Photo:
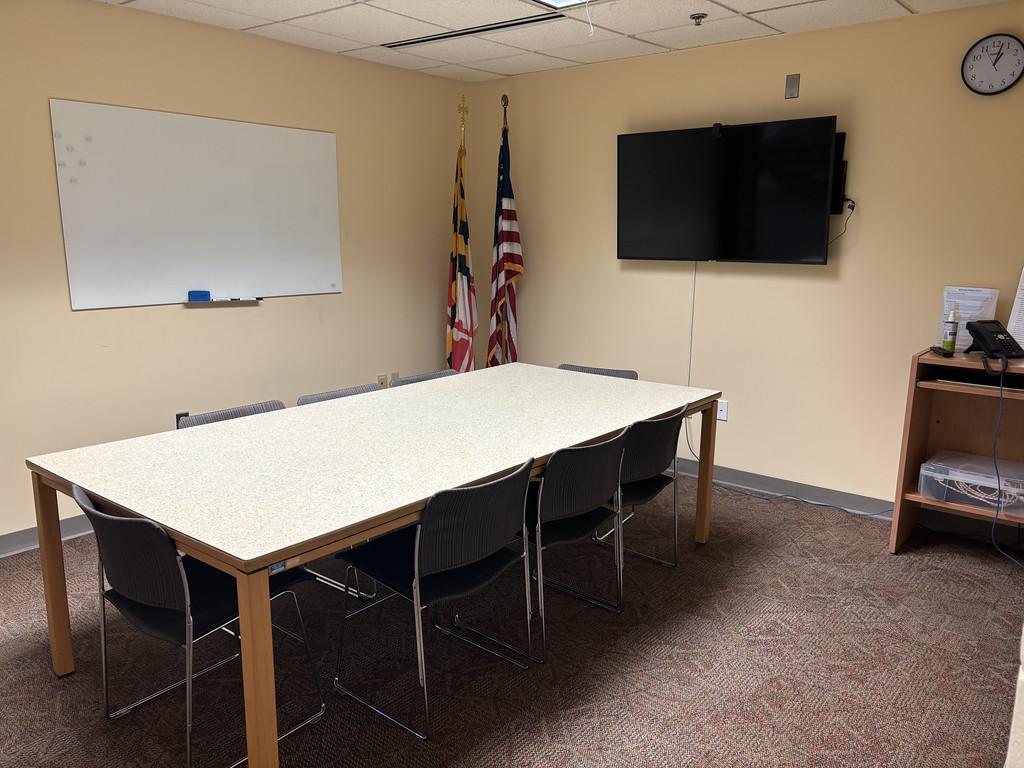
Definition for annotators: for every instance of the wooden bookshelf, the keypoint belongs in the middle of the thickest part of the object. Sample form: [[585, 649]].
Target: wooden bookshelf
[[952, 406]]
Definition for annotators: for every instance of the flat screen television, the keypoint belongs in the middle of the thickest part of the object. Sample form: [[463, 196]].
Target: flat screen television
[[761, 192]]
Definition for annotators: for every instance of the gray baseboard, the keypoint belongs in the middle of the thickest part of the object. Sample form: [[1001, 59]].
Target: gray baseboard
[[23, 541], [773, 486]]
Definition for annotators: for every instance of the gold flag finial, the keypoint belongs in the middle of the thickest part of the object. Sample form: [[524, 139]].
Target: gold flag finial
[[463, 111]]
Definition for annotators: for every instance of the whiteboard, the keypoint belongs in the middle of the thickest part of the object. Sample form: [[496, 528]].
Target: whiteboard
[[155, 204]]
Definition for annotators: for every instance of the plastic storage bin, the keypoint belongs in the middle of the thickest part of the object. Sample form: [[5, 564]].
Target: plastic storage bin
[[968, 479]]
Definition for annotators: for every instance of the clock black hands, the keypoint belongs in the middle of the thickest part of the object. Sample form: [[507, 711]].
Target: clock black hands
[[998, 56]]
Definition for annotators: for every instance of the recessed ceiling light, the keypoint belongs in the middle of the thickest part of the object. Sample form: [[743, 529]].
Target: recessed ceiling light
[[559, 4]]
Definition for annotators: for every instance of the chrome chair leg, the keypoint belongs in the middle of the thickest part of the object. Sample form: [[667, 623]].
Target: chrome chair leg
[[327, 581], [103, 644], [188, 691], [572, 591], [338, 663], [420, 657], [674, 562], [540, 594], [527, 590], [309, 658], [341, 632], [460, 628]]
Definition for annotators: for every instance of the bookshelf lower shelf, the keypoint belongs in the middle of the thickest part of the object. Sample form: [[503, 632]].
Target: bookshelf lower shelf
[[967, 510]]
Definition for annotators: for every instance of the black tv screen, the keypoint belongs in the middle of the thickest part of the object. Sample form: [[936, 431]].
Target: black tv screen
[[753, 193]]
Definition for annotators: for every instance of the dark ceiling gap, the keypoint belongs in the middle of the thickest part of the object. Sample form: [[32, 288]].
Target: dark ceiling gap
[[456, 33]]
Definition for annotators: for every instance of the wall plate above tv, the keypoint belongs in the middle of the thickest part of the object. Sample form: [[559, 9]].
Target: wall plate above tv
[[761, 192]]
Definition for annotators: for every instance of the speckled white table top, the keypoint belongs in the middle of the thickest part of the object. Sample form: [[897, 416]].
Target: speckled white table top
[[258, 485]]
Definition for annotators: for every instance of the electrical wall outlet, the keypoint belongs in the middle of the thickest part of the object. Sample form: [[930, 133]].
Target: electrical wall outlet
[[723, 410], [382, 379]]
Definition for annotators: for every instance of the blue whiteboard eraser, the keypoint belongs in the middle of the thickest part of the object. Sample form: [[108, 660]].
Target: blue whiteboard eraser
[[198, 295]]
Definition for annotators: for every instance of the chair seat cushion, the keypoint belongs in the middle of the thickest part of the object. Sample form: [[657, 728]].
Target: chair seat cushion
[[572, 528], [389, 560], [567, 529], [643, 491], [214, 599]]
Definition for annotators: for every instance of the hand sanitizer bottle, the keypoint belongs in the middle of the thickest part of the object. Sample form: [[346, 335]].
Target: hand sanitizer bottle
[[949, 331]]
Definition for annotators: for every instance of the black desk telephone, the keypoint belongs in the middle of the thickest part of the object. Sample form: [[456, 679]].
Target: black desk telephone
[[992, 338]]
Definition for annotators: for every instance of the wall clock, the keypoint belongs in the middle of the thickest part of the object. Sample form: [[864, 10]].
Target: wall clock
[[993, 64]]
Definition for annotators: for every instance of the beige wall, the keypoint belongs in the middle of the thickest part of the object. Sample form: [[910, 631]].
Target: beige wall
[[813, 360], [74, 378]]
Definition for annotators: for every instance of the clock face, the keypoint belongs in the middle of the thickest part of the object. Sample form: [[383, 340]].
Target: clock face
[[993, 64]]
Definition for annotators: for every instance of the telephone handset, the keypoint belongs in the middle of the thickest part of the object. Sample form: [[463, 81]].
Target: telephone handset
[[992, 338]]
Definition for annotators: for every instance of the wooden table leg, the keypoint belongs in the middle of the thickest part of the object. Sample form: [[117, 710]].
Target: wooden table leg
[[705, 472], [258, 668], [55, 591]]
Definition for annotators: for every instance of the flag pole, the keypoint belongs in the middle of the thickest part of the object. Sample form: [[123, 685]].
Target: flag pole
[[504, 109], [463, 111]]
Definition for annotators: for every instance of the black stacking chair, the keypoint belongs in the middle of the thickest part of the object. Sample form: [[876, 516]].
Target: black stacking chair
[[336, 394], [402, 381], [569, 503], [171, 597], [183, 419], [650, 452], [461, 544], [618, 373]]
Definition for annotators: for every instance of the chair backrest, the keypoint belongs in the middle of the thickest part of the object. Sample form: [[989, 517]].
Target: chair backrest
[[402, 381], [580, 479], [651, 446], [335, 394], [185, 420], [461, 526], [139, 559], [618, 373]]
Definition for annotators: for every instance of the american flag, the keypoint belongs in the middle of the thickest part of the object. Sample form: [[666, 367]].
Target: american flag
[[506, 265], [461, 294]]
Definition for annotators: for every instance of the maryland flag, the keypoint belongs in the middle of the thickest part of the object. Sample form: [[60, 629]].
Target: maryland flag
[[461, 294], [506, 265]]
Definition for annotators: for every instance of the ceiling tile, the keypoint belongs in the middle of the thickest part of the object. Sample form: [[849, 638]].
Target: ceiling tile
[[205, 14], [618, 48], [393, 58], [277, 9], [749, 6], [371, 25], [288, 33], [522, 64], [549, 34], [460, 14], [461, 50], [455, 72], [709, 33], [928, 6], [830, 13], [634, 16]]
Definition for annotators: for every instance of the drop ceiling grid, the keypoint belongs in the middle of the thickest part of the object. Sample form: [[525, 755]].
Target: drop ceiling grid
[[622, 28]]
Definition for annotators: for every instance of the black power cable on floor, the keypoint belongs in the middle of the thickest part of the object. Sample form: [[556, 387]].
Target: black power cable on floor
[[1004, 364]]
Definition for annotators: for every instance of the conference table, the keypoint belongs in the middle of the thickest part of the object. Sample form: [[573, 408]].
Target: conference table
[[265, 493]]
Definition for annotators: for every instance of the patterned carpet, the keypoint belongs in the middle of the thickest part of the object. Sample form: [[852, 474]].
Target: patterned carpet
[[792, 639]]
